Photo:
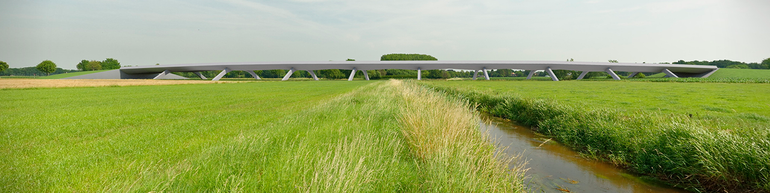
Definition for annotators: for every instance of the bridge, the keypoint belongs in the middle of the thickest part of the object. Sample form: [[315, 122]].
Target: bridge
[[164, 71]]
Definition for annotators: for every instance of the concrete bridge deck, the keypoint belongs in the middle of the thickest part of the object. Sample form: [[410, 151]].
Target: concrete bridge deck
[[163, 71]]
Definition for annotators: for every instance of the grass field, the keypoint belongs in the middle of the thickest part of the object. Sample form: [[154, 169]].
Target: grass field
[[48, 83], [717, 99], [328, 136], [741, 73], [71, 74], [700, 136]]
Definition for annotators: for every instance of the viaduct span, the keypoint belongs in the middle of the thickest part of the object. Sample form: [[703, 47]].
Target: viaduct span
[[164, 71]]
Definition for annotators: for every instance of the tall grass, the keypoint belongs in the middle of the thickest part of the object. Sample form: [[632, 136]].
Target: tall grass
[[699, 155], [443, 133]]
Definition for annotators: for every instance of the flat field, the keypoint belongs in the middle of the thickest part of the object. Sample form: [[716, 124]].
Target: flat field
[[40, 83], [328, 136], [699, 136], [719, 99], [741, 73]]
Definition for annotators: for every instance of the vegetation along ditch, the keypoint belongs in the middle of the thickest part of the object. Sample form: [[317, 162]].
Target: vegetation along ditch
[[706, 153]]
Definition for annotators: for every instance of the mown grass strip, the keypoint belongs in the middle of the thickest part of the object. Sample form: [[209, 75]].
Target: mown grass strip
[[690, 153]]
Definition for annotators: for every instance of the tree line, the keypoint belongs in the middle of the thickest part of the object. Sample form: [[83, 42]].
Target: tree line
[[106, 64], [48, 67], [765, 64]]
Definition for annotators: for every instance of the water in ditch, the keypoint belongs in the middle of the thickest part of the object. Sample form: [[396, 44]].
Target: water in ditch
[[556, 168]]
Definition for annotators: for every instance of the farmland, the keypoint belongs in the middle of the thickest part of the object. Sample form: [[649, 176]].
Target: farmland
[[28, 83], [741, 73], [699, 136], [719, 99], [328, 136]]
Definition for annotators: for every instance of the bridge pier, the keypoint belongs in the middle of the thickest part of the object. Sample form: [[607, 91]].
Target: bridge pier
[[162, 74], [475, 74], [288, 74], [531, 72], [419, 74], [200, 75], [582, 74], [486, 74], [669, 73], [312, 74], [633, 74], [550, 73], [366, 76], [612, 73], [352, 74], [253, 74], [221, 74]]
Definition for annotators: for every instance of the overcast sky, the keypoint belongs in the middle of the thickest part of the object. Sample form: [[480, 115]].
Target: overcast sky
[[175, 32]]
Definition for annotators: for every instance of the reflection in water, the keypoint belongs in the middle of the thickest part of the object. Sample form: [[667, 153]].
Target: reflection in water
[[555, 168]]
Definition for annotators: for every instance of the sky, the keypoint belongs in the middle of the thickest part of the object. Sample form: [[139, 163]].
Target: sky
[[149, 32]]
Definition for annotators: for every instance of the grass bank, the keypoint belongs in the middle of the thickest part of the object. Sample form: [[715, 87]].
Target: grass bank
[[710, 151], [331, 136], [71, 74]]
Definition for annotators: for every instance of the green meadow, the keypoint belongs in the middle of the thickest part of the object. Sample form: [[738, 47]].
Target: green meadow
[[294, 136], [741, 73], [717, 99], [698, 136]]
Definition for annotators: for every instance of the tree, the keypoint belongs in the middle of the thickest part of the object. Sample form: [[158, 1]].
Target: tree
[[739, 66], [613, 61], [505, 72], [94, 65], [46, 66], [82, 65], [279, 73], [110, 63], [374, 74], [3, 66], [350, 59], [331, 74], [728, 64], [595, 74], [565, 74], [387, 57], [444, 74]]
